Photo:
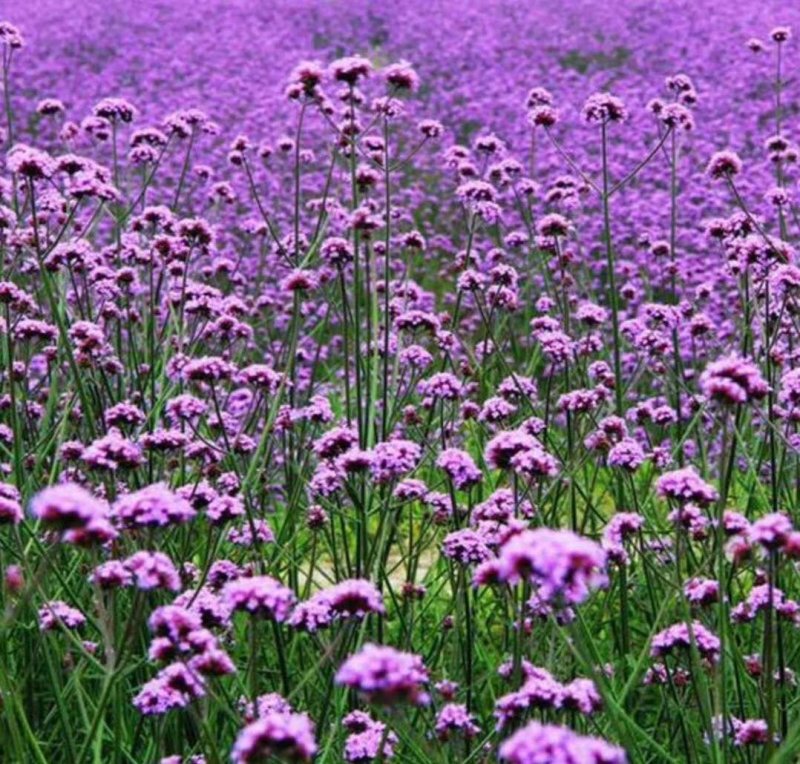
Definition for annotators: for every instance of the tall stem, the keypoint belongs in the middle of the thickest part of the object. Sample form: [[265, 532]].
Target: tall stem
[[612, 279]]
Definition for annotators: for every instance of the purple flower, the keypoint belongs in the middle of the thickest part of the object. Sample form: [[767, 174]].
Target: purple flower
[[350, 69], [364, 741], [175, 686], [701, 591], [401, 76], [627, 455], [283, 734], [538, 743], [751, 732], [153, 506], [10, 508], [466, 547], [771, 531], [30, 163], [243, 535], [224, 508], [260, 596], [393, 459], [620, 526], [112, 451], [460, 467], [385, 675], [500, 449], [111, 575], [733, 380], [67, 506], [353, 598], [563, 565], [539, 690], [153, 570], [685, 485], [208, 369], [455, 719], [582, 695], [678, 636], [601, 108], [724, 164], [57, 613]]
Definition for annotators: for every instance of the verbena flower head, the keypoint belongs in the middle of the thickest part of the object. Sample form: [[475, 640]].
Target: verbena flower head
[[771, 531], [153, 506], [260, 596], [10, 36], [401, 76], [354, 597], [685, 486], [385, 675], [393, 459], [724, 164], [460, 467], [30, 163], [455, 720], [174, 687], [10, 507], [680, 636], [733, 380], [350, 69], [282, 734], [57, 614], [466, 546], [563, 566], [602, 108], [153, 570], [363, 743], [781, 34], [538, 743], [67, 506]]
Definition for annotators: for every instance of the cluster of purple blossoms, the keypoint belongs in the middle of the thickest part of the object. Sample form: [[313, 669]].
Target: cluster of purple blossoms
[[153, 506], [602, 108], [455, 719], [10, 507], [562, 565], [540, 690], [282, 733], [77, 516], [733, 380], [349, 599], [724, 165], [521, 452], [538, 742], [680, 636], [385, 675], [392, 459], [628, 455], [701, 591], [153, 570], [174, 687], [460, 468], [259, 596], [762, 597], [57, 614], [685, 485], [365, 737], [466, 546], [621, 526], [192, 653]]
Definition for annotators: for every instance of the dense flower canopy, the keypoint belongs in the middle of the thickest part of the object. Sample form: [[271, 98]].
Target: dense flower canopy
[[399, 381]]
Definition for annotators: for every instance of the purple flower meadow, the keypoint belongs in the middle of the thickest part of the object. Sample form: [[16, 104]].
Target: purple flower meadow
[[399, 382]]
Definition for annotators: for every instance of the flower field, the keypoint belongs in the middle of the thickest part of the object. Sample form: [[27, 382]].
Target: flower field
[[412, 383]]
